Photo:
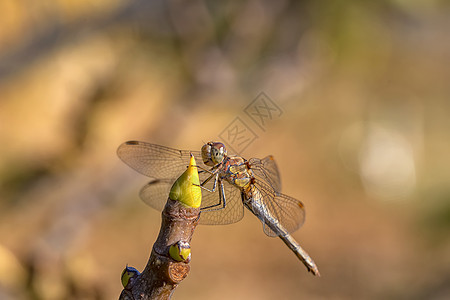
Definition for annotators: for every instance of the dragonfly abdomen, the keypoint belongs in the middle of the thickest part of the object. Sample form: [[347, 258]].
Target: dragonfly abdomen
[[253, 201], [301, 254]]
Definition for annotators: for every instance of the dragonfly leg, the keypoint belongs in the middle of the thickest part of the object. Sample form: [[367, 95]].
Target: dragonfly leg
[[222, 201], [216, 177], [211, 171]]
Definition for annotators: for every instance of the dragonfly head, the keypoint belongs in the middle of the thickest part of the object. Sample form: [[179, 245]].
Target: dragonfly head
[[213, 153]]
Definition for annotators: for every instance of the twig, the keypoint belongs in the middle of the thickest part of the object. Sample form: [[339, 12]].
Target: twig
[[163, 273]]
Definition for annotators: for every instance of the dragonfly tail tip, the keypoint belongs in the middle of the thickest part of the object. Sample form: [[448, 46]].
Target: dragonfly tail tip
[[315, 272]]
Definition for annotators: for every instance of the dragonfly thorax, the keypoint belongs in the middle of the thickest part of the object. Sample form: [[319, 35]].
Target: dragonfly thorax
[[236, 172], [213, 153]]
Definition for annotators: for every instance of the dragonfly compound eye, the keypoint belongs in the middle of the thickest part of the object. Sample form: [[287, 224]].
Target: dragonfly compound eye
[[218, 152], [206, 155]]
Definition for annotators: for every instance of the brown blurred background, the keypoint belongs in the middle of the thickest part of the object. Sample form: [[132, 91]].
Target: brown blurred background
[[363, 141]]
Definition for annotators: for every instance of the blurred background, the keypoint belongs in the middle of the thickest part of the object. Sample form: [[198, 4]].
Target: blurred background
[[361, 137]]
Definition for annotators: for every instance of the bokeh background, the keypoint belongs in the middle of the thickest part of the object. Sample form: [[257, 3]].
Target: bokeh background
[[363, 141]]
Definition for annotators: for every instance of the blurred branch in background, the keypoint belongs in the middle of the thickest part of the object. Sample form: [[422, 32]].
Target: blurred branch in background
[[57, 33], [364, 87]]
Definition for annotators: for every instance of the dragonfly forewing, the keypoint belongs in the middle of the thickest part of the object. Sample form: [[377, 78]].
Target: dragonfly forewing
[[156, 161]]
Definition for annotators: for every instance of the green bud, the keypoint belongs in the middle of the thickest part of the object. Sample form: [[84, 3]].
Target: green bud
[[180, 251], [128, 277], [187, 187]]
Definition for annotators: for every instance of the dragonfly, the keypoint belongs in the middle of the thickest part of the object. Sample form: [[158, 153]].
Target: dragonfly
[[229, 183]]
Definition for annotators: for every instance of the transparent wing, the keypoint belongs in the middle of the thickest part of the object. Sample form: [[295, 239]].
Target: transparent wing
[[156, 161], [233, 211], [156, 192], [289, 211], [266, 170]]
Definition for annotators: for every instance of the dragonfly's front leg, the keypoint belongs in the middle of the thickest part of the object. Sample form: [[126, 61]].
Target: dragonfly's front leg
[[213, 170], [214, 175], [222, 200]]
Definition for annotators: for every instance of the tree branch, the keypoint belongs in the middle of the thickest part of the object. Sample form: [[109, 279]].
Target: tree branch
[[163, 273]]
